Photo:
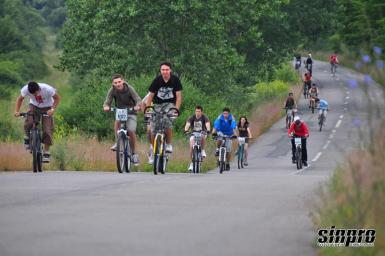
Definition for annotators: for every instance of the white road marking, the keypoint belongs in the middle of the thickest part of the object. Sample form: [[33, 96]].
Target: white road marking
[[341, 116], [326, 145], [338, 123], [346, 102], [331, 136], [347, 92], [317, 156], [334, 131], [347, 97]]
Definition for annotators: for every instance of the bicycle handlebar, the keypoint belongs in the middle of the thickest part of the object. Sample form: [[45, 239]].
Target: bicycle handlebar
[[25, 114], [129, 110]]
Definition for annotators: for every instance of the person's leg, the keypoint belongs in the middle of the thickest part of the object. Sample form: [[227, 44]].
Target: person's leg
[[292, 150], [304, 150]]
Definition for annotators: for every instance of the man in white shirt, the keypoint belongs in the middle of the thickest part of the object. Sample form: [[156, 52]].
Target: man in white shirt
[[43, 98]]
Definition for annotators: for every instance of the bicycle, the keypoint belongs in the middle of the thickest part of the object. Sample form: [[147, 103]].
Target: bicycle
[[241, 151], [322, 119], [35, 145], [298, 151], [159, 147], [223, 158], [197, 158], [333, 69], [312, 103], [123, 147], [290, 113]]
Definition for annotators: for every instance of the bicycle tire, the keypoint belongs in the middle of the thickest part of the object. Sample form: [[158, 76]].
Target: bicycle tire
[[33, 141], [321, 122], [196, 160], [222, 161], [121, 160], [157, 156], [298, 156], [163, 163], [39, 153], [240, 156]]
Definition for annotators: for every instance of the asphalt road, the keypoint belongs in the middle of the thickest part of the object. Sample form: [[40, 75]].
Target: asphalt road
[[261, 210]]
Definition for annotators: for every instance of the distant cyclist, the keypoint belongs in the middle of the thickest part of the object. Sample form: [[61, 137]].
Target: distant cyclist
[[297, 61], [307, 77], [224, 125], [298, 129], [309, 63], [43, 98], [124, 96], [323, 106], [333, 61], [290, 102], [244, 131], [313, 92], [198, 123]]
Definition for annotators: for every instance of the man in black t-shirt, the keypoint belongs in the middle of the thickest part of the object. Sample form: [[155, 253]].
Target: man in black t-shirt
[[165, 92], [198, 123]]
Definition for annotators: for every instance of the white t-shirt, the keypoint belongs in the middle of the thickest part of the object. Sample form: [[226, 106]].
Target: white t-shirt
[[44, 99]]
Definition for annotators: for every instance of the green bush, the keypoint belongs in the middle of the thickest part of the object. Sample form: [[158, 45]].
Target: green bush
[[286, 73]]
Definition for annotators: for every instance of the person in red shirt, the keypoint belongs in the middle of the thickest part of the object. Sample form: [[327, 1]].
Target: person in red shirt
[[306, 83], [298, 129], [333, 62]]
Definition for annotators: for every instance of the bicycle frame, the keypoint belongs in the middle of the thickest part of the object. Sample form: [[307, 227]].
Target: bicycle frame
[[197, 151], [160, 156], [222, 158]]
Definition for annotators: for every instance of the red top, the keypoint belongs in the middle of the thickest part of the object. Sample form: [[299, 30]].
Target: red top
[[307, 77], [300, 131], [334, 59]]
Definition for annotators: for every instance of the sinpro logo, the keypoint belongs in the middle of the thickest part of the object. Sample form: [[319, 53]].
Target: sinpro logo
[[346, 237]]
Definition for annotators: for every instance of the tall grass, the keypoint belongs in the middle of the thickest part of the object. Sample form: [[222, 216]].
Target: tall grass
[[355, 197]]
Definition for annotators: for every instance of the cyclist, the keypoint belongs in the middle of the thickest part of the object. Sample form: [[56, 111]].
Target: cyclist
[[309, 63], [307, 82], [314, 92], [224, 125], [297, 61], [323, 107], [198, 122], [125, 96], [43, 98], [333, 61], [165, 93], [243, 130], [290, 103], [298, 129]]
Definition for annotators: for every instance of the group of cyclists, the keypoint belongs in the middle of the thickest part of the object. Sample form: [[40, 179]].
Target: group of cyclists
[[299, 128], [165, 92]]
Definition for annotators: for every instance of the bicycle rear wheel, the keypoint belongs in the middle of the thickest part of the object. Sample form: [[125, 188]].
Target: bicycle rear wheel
[[128, 155], [321, 122], [222, 160], [121, 160]]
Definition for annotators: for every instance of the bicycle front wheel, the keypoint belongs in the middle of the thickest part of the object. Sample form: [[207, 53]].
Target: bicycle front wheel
[[298, 155], [196, 160], [121, 159], [157, 154], [222, 160], [321, 122], [240, 157]]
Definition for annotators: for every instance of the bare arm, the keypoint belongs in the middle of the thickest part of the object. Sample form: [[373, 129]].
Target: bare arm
[[56, 101], [19, 100], [108, 101], [178, 99], [249, 132], [149, 98], [187, 126]]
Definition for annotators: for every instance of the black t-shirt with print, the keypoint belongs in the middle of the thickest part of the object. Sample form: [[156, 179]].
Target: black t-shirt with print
[[198, 125], [243, 131], [165, 92]]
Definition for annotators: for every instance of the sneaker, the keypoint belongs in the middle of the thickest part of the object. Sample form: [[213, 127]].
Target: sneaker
[[168, 148], [46, 157], [113, 148], [304, 163], [135, 159], [245, 163], [293, 161], [151, 160], [227, 167], [26, 143], [150, 155], [203, 153], [217, 152], [190, 167]]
